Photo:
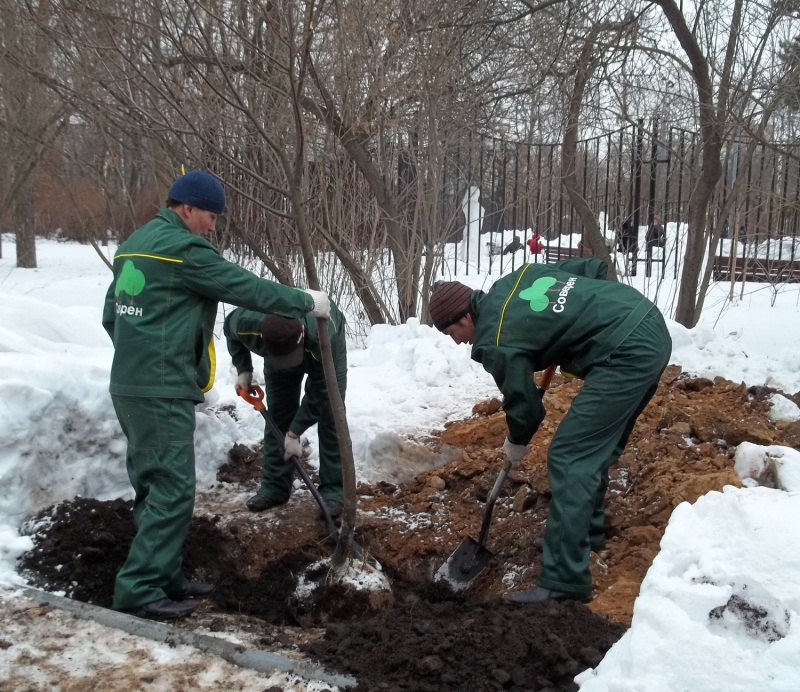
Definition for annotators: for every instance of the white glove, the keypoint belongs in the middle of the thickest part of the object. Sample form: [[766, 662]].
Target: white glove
[[514, 453], [292, 447], [245, 380], [322, 304]]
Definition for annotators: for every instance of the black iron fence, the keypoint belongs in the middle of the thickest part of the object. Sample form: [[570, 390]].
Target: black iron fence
[[637, 181], [484, 204]]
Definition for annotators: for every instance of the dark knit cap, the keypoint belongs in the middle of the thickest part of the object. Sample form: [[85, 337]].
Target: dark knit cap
[[199, 189], [283, 341], [450, 301]]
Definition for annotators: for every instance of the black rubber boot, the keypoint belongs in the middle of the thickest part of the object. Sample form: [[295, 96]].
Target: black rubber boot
[[193, 589], [334, 509], [258, 503], [166, 609]]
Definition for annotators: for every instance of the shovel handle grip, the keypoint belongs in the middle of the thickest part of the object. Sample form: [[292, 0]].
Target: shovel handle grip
[[255, 396]]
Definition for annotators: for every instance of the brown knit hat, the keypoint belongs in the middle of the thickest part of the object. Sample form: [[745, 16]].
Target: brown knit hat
[[450, 301], [283, 341]]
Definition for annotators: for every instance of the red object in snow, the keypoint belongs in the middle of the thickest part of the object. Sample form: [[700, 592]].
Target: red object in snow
[[535, 244]]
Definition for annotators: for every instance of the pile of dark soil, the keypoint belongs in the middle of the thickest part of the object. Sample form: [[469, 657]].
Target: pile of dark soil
[[80, 546], [452, 646], [682, 447], [420, 644]]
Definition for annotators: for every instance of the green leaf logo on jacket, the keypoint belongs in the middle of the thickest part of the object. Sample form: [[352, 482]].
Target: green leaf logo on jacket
[[130, 281], [537, 294]]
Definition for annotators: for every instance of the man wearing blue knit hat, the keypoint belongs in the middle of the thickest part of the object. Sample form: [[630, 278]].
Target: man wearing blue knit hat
[[198, 198], [160, 312]]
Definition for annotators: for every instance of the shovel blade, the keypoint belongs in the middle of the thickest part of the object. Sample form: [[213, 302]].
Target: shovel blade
[[463, 566]]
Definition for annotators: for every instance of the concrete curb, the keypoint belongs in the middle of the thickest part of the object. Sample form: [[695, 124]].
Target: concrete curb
[[261, 661]]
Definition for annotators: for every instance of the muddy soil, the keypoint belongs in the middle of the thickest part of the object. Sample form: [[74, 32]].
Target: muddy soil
[[682, 448]]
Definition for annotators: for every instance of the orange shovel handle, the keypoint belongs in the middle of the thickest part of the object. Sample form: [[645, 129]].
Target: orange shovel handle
[[255, 396]]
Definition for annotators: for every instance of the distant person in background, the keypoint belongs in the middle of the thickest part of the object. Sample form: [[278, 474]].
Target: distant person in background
[[743, 235], [603, 331], [627, 238], [535, 244], [160, 311], [655, 233], [513, 246], [291, 352]]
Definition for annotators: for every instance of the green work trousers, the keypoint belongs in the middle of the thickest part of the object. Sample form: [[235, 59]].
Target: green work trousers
[[590, 439], [283, 400], [160, 462]]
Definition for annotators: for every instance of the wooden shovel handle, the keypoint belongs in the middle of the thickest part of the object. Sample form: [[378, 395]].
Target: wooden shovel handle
[[547, 377]]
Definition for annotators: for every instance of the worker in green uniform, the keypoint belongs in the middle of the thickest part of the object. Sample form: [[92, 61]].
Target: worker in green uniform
[[604, 332], [291, 350], [160, 311]]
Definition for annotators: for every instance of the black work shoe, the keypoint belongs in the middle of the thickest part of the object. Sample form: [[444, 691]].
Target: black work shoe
[[539, 595], [258, 503], [166, 609], [193, 589], [334, 509]]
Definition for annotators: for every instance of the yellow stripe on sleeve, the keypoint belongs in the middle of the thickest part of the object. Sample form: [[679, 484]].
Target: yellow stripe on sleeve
[[155, 257]]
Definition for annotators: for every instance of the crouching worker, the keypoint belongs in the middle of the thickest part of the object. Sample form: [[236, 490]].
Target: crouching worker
[[160, 312], [605, 332], [291, 350]]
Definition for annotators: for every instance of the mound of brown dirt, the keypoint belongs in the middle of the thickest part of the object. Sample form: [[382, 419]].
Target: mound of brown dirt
[[681, 448]]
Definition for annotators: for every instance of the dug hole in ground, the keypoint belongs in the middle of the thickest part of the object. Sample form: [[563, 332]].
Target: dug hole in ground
[[423, 638]]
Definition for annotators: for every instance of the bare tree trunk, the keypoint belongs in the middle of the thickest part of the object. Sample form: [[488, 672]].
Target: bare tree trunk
[[687, 311], [295, 172], [591, 227], [283, 276], [23, 228], [404, 267], [362, 285]]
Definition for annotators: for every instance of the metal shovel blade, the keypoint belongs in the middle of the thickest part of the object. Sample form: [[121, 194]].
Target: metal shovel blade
[[471, 556], [463, 566]]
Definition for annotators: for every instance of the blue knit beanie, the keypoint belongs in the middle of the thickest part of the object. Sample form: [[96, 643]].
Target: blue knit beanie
[[199, 189]]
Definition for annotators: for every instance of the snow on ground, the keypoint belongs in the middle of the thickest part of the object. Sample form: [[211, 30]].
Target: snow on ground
[[718, 609], [52, 647]]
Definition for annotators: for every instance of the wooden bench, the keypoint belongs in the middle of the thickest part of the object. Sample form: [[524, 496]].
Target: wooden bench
[[771, 271], [556, 254]]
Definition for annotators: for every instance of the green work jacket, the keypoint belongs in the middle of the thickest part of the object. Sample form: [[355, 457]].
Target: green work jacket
[[563, 313], [161, 307], [243, 334]]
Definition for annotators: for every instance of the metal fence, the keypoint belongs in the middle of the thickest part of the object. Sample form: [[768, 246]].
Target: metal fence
[[636, 180]]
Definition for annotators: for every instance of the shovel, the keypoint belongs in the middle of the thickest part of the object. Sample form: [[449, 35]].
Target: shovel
[[256, 397], [471, 557]]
